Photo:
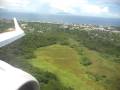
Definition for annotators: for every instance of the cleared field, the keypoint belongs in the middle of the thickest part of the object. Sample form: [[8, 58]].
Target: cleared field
[[64, 62]]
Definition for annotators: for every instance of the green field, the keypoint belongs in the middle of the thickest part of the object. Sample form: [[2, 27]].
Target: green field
[[64, 62]]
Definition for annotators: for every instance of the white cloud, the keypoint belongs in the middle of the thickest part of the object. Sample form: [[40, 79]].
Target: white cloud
[[76, 7], [94, 9], [82, 6], [66, 4], [18, 5], [109, 1]]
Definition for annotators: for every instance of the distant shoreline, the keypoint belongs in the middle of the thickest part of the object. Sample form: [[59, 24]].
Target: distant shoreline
[[63, 19]]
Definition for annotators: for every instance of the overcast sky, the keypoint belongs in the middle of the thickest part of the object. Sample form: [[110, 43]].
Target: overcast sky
[[99, 8]]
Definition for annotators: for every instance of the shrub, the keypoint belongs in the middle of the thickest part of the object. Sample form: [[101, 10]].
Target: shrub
[[85, 61]]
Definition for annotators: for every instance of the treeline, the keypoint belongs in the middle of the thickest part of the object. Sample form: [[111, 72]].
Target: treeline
[[104, 42]]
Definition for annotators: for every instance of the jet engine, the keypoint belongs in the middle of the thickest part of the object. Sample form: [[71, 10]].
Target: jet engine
[[12, 78]]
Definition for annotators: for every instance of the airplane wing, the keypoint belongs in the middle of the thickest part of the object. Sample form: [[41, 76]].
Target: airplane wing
[[9, 37], [12, 78]]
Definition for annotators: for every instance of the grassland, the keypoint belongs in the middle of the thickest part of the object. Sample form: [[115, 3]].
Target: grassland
[[64, 62]]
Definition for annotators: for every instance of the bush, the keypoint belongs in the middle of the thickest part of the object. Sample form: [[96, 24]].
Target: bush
[[99, 77], [117, 60], [85, 61]]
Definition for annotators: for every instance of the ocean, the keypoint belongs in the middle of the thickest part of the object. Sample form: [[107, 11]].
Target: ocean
[[67, 19]]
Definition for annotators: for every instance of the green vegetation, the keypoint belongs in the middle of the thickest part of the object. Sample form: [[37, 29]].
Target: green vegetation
[[5, 24], [85, 61], [65, 59]]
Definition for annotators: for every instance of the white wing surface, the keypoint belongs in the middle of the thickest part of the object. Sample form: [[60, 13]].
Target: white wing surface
[[9, 37]]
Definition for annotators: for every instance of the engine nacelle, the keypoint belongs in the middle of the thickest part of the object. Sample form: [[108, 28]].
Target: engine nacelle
[[12, 78]]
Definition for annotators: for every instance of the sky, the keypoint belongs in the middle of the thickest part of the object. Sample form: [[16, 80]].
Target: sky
[[97, 8]]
